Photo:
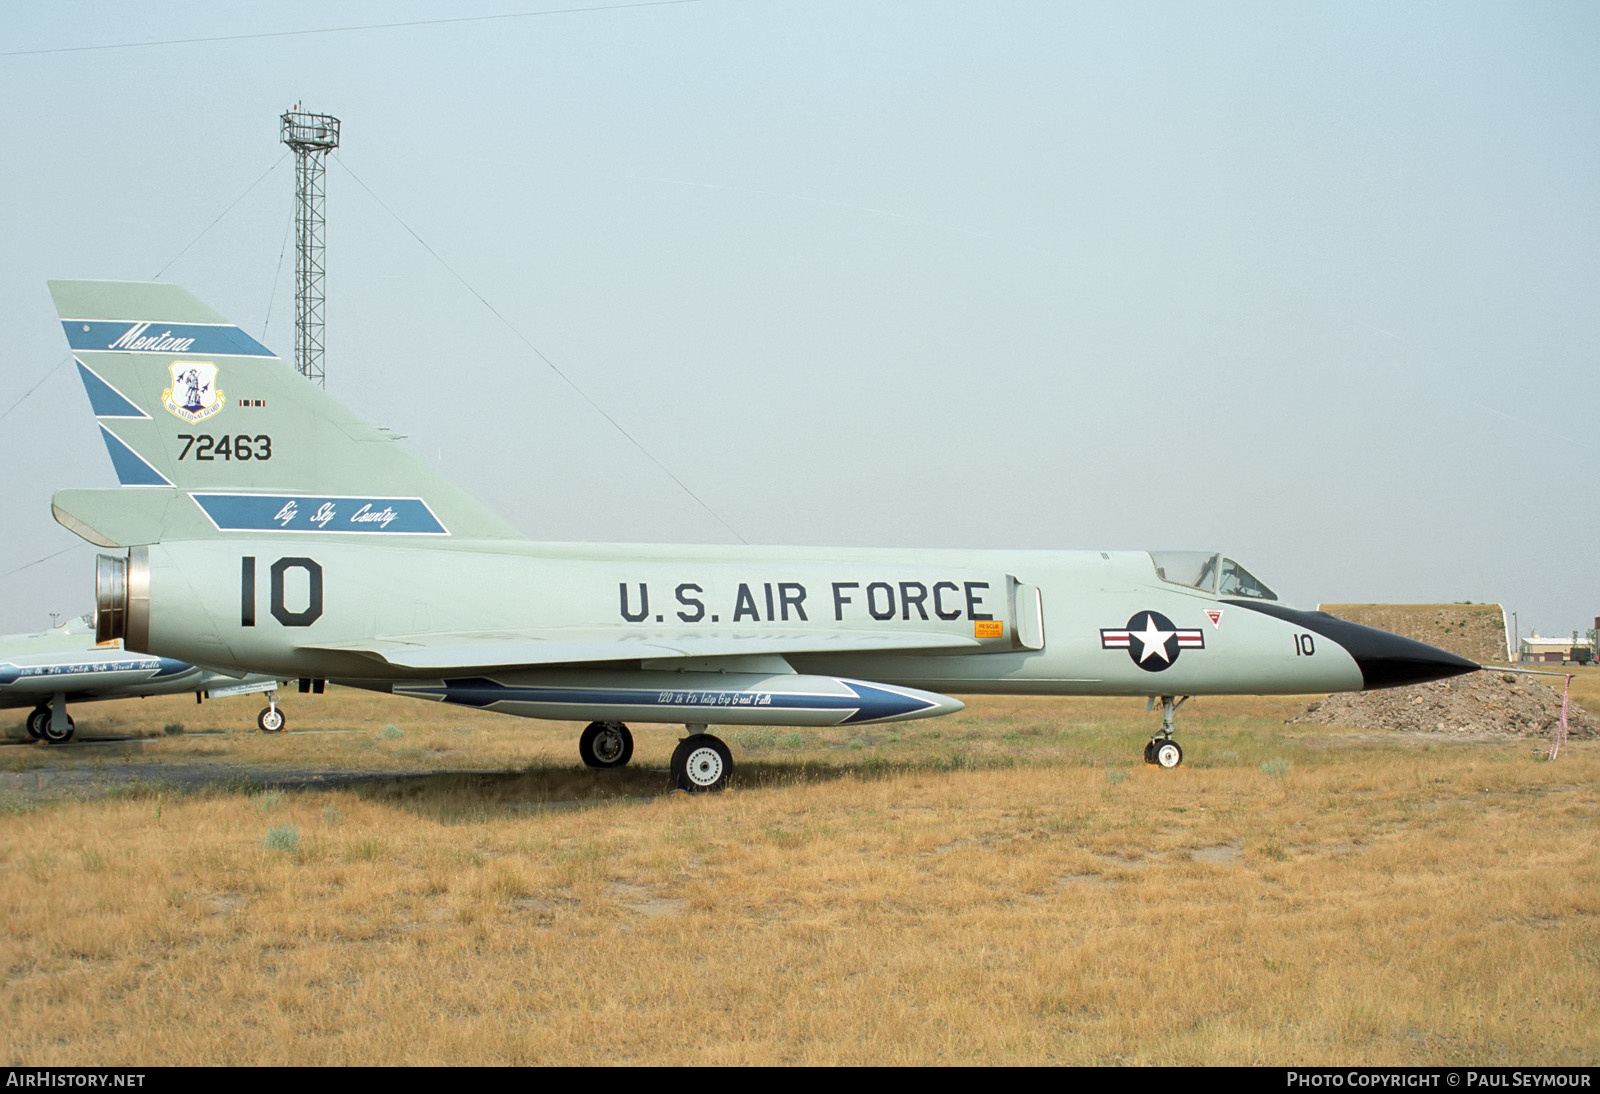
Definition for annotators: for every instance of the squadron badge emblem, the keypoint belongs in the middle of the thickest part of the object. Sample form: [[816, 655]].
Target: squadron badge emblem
[[1151, 640], [194, 395]]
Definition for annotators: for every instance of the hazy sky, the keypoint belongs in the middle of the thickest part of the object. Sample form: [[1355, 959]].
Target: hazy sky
[[1315, 284]]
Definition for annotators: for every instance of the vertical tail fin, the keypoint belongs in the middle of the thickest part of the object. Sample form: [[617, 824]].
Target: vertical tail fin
[[210, 434]]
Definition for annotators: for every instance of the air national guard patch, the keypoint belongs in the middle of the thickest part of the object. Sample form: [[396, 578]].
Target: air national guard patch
[[1151, 640], [194, 395]]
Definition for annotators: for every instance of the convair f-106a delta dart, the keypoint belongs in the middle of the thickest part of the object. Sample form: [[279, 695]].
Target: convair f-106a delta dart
[[264, 527], [66, 665]]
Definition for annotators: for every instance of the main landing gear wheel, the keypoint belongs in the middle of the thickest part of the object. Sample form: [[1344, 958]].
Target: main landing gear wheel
[[605, 744], [55, 736], [701, 763], [271, 720], [1167, 754], [37, 719]]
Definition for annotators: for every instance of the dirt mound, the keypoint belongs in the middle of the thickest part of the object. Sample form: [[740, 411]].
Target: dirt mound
[[1480, 702], [1474, 631]]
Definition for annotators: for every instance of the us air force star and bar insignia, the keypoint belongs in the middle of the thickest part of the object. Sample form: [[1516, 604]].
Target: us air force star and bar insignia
[[1151, 640], [194, 395]]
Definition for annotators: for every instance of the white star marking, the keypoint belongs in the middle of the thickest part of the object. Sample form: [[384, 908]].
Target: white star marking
[[1153, 638]]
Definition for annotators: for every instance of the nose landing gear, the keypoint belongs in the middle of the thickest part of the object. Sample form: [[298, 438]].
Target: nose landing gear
[[271, 719], [1163, 751]]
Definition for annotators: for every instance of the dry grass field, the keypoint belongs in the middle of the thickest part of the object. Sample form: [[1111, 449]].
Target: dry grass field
[[398, 882]]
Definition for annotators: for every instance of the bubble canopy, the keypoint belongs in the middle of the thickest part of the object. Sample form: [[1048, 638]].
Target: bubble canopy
[[1210, 572]]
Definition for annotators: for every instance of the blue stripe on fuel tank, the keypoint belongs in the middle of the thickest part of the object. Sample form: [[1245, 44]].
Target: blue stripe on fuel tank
[[867, 704], [157, 666]]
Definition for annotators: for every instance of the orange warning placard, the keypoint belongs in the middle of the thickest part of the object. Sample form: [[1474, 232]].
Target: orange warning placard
[[988, 628]]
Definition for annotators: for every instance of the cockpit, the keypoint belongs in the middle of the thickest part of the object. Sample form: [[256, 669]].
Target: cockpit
[[1209, 572]]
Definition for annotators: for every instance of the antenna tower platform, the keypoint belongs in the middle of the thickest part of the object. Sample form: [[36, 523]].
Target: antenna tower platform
[[310, 137]]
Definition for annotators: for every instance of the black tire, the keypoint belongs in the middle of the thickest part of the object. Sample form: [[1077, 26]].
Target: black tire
[[36, 719], [701, 763], [1168, 755], [605, 744], [1150, 753], [58, 736], [271, 720]]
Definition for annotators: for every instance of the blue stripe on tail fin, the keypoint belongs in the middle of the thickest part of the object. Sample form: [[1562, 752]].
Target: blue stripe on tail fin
[[131, 469], [106, 400]]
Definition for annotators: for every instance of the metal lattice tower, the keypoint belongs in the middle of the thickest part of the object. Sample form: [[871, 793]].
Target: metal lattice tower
[[311, 137]]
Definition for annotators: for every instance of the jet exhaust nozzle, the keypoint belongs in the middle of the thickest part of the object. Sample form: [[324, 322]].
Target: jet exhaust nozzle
[[122, 598], [110, 598]]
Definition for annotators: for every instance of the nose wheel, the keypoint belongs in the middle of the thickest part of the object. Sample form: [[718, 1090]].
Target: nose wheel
[[271, 719], [1163, 751]]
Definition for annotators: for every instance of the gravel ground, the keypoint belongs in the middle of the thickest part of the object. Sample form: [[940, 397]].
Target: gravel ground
[[1489, 702]]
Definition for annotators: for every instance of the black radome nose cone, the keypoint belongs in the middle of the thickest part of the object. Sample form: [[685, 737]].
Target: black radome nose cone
[[1386, 660], [1390, 661]]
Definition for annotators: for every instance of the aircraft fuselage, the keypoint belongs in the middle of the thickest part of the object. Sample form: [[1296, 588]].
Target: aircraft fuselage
[[1022, 622]]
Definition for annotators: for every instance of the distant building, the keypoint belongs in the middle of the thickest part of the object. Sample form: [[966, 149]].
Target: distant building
[[1536, 648]]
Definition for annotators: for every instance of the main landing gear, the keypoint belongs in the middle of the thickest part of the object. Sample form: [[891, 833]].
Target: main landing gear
[[52, 727], [1162, 750], [42, 725], [605, 744], [701, 763]]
